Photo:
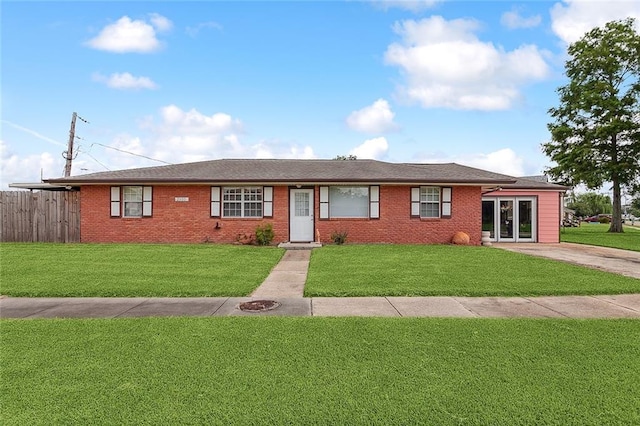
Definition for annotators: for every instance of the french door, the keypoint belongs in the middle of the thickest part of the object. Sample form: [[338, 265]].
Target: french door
[[510, 219]]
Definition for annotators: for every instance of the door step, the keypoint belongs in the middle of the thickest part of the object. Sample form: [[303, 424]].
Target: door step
[[299, 246]]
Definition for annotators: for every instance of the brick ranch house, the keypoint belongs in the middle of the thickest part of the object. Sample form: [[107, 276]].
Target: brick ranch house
[[308, 200]]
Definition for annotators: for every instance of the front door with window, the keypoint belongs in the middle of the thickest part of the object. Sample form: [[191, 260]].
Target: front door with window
[[301, 215], [510, 219]]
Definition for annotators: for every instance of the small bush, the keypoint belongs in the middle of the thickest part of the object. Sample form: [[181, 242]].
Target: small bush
[[264, 234], [604, 219], [244, 239], [339, 237]]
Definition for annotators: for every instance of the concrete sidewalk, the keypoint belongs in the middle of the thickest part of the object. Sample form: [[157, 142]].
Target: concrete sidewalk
[[618, 306]]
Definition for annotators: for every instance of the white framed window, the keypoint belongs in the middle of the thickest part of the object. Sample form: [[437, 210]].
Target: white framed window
[[242, 202], [431, 202], [132, 198], [349, 201], [136, 201]]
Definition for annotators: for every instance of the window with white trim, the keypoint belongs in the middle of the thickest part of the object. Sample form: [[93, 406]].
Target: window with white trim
[[242, 202], [349, 202], [132, 198], [135, 201], [431, 202]]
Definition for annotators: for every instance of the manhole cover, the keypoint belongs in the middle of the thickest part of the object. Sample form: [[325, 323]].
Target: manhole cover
[[258, 305]]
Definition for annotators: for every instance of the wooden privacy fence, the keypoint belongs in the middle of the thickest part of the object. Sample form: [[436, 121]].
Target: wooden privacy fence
[[43, 216]]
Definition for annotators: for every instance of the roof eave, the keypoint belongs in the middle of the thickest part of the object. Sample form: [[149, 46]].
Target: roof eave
[[44, 186], [306, 181]]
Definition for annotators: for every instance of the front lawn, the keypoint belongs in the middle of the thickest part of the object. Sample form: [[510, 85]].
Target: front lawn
[[37, 270], [356, 371], [596, 234], [430, 270]]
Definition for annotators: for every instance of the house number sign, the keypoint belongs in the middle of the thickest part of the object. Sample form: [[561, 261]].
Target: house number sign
[[182, 199]]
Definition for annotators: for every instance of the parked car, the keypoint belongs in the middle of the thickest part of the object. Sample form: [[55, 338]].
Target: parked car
[[599, 218]]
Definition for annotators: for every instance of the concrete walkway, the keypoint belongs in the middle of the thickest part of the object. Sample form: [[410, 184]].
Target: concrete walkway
[[288, 277], [619, 306]]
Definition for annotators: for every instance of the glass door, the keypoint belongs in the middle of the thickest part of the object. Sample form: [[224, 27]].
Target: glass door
[[526, 222], [510, 219], [506, 220], [489, 217]]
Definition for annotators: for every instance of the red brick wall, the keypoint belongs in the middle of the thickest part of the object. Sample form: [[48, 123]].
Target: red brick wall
[[173, 221], [397, 226], [190, 222]]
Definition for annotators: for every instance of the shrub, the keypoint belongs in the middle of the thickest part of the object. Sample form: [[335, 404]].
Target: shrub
[[244, 239], [339, 237], [604, 219], [264, 234]]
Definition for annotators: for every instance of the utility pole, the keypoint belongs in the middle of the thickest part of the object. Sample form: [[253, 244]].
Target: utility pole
[[68, 154]]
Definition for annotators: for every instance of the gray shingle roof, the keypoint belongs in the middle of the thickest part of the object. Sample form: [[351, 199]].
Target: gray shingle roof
[[528, 183], [293, 172]]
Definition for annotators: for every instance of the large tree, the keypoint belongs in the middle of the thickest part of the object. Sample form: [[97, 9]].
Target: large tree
[[595, 132]]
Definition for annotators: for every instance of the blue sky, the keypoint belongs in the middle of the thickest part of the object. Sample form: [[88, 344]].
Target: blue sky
[[404, 81]]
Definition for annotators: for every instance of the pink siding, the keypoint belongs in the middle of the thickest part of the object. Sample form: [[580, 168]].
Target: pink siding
[[548, 217]]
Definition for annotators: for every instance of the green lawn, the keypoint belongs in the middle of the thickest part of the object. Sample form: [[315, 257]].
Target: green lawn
[[262, 370], [133, 269], [596, 234], [418, 270]]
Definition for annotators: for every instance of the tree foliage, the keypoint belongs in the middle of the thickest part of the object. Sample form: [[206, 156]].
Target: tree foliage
[[635, 207], [590, 204], [595, 132]]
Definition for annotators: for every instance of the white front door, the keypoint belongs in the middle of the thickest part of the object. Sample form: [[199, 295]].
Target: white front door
[[301, 215]]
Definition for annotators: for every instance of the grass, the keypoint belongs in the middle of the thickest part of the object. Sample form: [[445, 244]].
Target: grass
[[415, 270], [596, 234], [37, 270], [303, 371]]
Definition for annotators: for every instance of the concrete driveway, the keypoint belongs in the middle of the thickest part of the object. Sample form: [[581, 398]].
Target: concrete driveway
[[623, 262]]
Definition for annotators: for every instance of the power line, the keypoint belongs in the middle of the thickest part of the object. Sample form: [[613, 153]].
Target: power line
[[129, 152], [93, 158]]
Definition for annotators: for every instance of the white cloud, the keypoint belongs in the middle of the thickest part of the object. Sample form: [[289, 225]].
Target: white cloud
[[160, 22], [196, 136], [513, 20], [179, 136], [272, 149], [126, 35], [446, 65], [125, 81], [411, 5], [375, 118], [571, 19], [504, 161], [26, 169], [194, 31], [371, 149]]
